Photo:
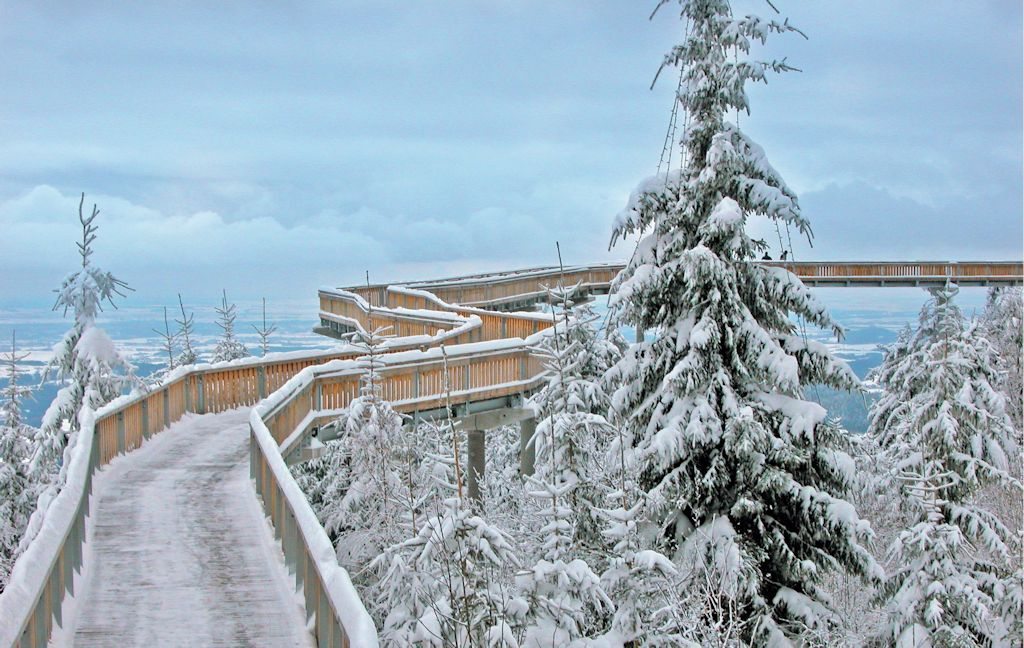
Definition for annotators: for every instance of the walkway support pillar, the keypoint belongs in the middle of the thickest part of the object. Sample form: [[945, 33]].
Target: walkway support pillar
[[527, 447], [476, 441]]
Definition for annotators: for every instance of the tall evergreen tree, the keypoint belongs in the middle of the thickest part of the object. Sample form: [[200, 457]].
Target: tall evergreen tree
[[93, 370], [943, 428], [738, 469]]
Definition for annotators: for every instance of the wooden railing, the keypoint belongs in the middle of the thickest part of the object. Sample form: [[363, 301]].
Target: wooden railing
[[495, 290]]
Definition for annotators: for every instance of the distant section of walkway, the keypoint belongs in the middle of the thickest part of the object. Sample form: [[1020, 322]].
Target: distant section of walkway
[[181, 554]]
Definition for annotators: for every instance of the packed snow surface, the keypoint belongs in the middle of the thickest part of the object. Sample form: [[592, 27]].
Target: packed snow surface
[[180, 553]]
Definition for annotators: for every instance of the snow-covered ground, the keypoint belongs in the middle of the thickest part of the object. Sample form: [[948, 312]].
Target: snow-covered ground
[[179, 551]]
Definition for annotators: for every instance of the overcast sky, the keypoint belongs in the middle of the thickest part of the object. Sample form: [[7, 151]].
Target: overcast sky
[[269, 148]]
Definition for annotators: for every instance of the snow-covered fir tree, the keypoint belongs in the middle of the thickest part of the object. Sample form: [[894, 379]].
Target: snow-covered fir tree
[[1003, 324], [564, 594], [17, 492], [185, 329], [449, 584], [228, 346], [362, 494], [572, 430], [93, 371], [741, 475], [643, 583], [565, 597], [943, 428]]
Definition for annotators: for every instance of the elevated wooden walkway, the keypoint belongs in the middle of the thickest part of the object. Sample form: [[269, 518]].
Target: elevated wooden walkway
[[485, 364]]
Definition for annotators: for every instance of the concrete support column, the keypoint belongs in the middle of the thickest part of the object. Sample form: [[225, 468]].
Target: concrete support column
[[476, 440], [527, 448]]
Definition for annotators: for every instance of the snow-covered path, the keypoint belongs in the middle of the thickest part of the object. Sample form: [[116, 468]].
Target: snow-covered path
[[181, 554]]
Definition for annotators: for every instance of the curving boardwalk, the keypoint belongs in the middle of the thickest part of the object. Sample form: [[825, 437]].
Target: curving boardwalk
[[181, 554]]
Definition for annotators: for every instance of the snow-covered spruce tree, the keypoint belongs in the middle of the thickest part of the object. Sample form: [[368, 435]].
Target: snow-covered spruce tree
[[449, 584], [185, 326], [369, 514], [565, 597], [92, 369], [17, 492], [564, 594], [641, 582], [1003, 324], [228, 347], [945, 434], [572, 430], [737, 467]]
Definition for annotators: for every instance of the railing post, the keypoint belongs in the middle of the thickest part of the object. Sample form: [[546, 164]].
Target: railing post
[[416, 383], [200, 397], [167, 407], [527, 447], [318, 403], [252, 453], [188, 394], [261, 378], [476, 441], [57, 593], [120, 432], [145, 418]]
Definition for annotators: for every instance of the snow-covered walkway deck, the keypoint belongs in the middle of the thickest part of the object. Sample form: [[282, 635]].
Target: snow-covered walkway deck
[[180, 553]]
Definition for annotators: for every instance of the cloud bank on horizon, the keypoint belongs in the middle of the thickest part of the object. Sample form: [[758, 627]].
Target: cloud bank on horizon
[[270, 149]]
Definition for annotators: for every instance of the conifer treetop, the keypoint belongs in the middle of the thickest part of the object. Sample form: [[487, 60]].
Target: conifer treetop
[[84, 291]]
